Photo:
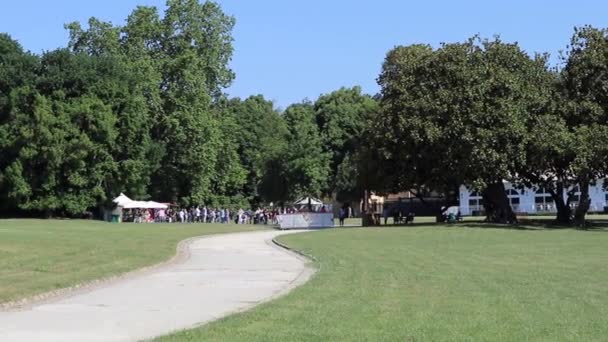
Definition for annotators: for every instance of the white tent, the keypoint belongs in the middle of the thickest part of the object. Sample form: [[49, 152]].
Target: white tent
[[304, 201], [144, 205], [122, 200], [156, 205], [127, 203]]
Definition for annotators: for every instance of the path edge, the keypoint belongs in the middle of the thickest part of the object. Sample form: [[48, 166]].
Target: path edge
[[307, 273], [182, 253]]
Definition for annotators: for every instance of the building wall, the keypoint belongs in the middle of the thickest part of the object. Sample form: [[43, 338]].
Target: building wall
[[527, 201]]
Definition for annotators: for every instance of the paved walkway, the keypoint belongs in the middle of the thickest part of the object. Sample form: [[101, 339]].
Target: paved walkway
[[223, 274]]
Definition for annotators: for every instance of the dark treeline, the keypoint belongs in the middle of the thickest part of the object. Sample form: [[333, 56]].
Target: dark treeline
[[141, 109]]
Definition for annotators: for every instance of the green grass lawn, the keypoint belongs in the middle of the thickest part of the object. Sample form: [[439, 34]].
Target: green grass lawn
[[546, 219], [41, 255], [436, 284]]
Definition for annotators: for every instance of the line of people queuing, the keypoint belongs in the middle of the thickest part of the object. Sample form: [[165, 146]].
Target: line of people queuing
[[201, 215]]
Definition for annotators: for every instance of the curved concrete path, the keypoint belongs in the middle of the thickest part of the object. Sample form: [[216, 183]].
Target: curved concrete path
[[223, 274]]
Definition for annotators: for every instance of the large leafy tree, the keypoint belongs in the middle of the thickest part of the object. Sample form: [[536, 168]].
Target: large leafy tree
[[63, 158], [184, 59], [262, 139], [17, 70], [307, 165], [60, 135], [457, 115], [580, 156], [341, 116]]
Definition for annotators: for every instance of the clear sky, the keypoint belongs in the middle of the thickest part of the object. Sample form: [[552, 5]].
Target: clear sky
[[289, 50]]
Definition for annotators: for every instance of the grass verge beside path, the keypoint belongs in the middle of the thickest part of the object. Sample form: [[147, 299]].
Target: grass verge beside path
[[435, 284], [37, 256]]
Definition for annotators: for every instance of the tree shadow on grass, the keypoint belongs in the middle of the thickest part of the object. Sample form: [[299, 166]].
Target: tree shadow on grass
[[526, 224]]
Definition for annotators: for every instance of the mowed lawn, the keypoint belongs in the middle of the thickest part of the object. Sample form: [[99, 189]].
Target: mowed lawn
[[41, 255], [436, 284]]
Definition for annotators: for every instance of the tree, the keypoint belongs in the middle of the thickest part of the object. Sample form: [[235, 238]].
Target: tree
[[579, 157], [184, 59], [17, 70], [307, 166], [261, 134], [63, 157], [457, 115], [341, 116]]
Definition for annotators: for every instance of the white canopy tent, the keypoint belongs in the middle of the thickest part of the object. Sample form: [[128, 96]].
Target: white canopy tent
[[305, 200], [123, 201], [144, 205]]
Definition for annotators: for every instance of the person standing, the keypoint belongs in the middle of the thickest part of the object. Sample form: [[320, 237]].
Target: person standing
[[342, 216]]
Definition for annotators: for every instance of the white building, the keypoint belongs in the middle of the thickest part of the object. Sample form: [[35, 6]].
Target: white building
[[531, 201]]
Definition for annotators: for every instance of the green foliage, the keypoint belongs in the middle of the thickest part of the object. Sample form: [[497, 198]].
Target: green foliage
[[342, 116], [124, 109], [457, 114], [139, 108], [307, 165], [565, 146], [262, 142]]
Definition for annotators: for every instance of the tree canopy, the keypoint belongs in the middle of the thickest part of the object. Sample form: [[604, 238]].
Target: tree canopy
[[141, 108]]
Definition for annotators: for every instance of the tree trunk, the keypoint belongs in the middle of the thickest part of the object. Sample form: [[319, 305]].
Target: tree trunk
[[583, 204], [564, 213], [496, 204]]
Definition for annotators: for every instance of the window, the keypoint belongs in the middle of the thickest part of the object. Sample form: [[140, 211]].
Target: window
[[513, 196], [476, 202], [512, 192], [543, 200]]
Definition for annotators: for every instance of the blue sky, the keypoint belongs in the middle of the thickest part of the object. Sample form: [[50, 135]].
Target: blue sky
[[289, 50]]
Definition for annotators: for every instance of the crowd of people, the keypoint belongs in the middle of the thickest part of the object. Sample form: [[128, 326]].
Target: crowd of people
[[201, 215]]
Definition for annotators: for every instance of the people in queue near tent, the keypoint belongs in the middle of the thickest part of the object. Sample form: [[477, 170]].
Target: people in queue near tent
[[206, 214], [240, 216]]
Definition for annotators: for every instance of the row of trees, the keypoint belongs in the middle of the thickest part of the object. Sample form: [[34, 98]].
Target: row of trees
[[140, 109], [484, 111]]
